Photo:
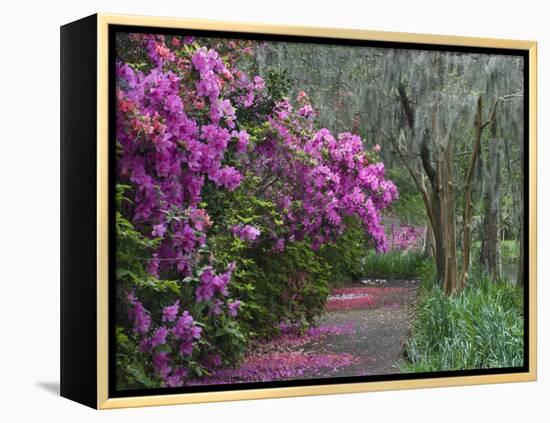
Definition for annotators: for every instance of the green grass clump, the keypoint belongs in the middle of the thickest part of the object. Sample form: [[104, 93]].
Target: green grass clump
[[393, 264], [479, 328], [509, 251]]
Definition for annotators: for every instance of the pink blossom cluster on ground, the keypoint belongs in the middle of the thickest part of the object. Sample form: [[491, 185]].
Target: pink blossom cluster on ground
[[293, 336], [283, 357], [363, 297], [279, 366], [290, 356], [287, 356]]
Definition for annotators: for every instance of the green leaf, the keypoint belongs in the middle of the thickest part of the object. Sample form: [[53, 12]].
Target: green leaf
[[245, 220], [121, 273], [163, 348]]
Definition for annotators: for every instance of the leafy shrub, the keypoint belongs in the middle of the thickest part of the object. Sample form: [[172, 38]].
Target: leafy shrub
[[479, 328], [131, 244], [294, 287], [217, 334], [393, 264], [344, 257]]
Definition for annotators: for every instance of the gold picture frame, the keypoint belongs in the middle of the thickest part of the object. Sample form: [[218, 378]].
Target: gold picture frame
[[102, 398]]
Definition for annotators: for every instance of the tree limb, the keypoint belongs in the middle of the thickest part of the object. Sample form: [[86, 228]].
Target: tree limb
[[416, 180], [406, 103]]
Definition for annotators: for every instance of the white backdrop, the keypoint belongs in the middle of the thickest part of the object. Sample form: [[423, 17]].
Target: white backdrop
[[29, 231]]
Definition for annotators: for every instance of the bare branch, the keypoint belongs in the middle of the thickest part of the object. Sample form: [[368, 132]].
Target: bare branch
[[417, 182], [504, 99], [406, 103]]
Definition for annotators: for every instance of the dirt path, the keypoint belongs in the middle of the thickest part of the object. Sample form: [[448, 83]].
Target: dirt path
[[362, 332], [380, 329]]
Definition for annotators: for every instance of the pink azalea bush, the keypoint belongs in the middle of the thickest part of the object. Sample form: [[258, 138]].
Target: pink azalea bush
[[404, 238], [180, 141], [318, 179]]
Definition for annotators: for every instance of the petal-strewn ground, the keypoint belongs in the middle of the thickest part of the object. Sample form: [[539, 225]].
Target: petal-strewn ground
[[362, 332]]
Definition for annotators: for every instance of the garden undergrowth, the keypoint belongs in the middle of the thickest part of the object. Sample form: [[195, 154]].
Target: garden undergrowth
[[479, 328]]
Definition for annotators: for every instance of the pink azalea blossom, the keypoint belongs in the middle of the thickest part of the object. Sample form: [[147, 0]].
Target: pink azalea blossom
[[246, 232]]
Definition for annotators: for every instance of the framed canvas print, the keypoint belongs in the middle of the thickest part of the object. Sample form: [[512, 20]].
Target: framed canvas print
[[255, 211]]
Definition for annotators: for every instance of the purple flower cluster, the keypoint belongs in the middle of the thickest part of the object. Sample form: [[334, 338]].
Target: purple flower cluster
[[169, 313], [404, 238], [245, 232], [158, 51], [180, 331], [162, 364], [233, 308], [138, 315], [306, 111], [212, 283], [168, 153], [186, 331], [320, 179], [242, 141]]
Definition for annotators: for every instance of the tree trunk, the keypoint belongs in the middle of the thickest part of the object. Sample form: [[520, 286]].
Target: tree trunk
[[468, 204], [438, 234], [521, 271], [514, 193], [520, 277], [490, 244], [451, 222], [432, 203], [429, 244], [490, 256], [433, 177], [448, 220]]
